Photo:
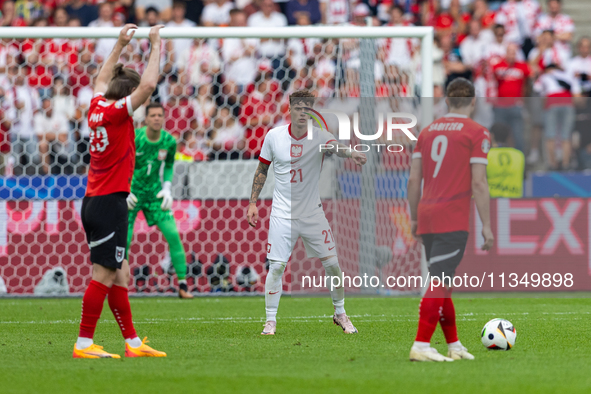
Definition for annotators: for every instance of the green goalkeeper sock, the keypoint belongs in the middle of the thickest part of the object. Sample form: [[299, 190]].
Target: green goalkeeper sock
[[177, 251]]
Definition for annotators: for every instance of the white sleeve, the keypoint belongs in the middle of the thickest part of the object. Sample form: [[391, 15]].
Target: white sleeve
[[326, 137], [266, 155]]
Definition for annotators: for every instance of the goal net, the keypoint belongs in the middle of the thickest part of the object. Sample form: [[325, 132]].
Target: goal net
[[222, 90]]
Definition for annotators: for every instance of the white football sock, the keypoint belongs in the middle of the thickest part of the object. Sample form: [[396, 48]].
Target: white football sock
[[83, 343], [273, 288], [421, 345], [331, 267], [134, 342], [455, 345]]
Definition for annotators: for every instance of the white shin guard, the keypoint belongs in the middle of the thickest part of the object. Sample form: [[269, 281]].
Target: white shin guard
[[274, 288], [332, 268]]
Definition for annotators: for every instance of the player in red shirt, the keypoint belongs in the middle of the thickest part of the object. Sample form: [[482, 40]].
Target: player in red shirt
[[451, 158], [117, 93]]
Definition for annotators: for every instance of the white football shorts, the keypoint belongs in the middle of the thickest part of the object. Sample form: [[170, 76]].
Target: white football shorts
[[314, 230]]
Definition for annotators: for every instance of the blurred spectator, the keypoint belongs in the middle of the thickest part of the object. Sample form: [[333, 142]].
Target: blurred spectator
[[580, 66], [512, 76], [398, 51], [360, 13], [299, 50], [194, 145], [547, 52], [199, 63], [475, 47], [239, 54], [204, 105], [7, 116], [9, 17], [498, 47], [104, 46], [227, 136], [335, 12], [8, 55], [273, 49], [52, 130], [452, 60], [483, 14], [179, 9], [562, 25], [160, 10], [259, 112], [217, 13], [82, 10], [559, 88], [40, 56], [23, 137], [151, 17], [451, 20], [64, 103], [180, 115], [105, 16], [60, 17], [29, 10], [519, 18], [311, 8]]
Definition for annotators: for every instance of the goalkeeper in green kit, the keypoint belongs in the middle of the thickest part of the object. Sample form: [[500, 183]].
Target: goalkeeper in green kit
[[153, 147]]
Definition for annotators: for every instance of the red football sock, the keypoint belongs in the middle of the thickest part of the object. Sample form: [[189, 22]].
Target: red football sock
[[119, 304], [92, 306], [448, 319], [429, 312]]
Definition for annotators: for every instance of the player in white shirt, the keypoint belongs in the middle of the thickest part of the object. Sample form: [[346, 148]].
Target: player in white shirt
[[297, 209]]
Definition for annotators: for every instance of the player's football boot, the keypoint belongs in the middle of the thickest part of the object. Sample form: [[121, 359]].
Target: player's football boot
[[142, 351], [184, 292], [459, 353], [269, 328], [344, 322], [427, 354], [93, 351]]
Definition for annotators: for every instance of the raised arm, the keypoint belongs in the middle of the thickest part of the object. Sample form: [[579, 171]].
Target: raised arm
[[106, 73], [260, 177], [482, 200], [150, 76], [413, 191]]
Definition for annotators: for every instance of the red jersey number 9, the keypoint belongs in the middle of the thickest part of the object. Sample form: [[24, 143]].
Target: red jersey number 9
[[438, 150], [99, 139]]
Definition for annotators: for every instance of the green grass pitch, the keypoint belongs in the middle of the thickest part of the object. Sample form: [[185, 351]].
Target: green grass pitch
[[214, 346]]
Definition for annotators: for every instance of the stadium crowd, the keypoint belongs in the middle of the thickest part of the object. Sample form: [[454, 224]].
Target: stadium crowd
[[222, 96]]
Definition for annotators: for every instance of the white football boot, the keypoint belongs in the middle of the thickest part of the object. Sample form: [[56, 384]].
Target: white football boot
[[427, 354], [459, 353], [344, 322], [269, 328]]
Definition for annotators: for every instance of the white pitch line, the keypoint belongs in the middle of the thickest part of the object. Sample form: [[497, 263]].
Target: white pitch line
[[302, 319]]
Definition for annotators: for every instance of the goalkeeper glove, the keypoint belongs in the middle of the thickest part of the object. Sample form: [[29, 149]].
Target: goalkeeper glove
[[131, 201], [166, 196]]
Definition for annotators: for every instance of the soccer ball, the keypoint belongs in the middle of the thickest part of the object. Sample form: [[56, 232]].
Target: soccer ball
[[498, 334]]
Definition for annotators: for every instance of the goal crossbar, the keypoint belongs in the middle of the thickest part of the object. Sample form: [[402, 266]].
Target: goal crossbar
[[425, 34]]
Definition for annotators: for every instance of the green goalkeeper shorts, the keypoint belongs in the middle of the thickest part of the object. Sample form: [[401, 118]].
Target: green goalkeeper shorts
[[152, 211]]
